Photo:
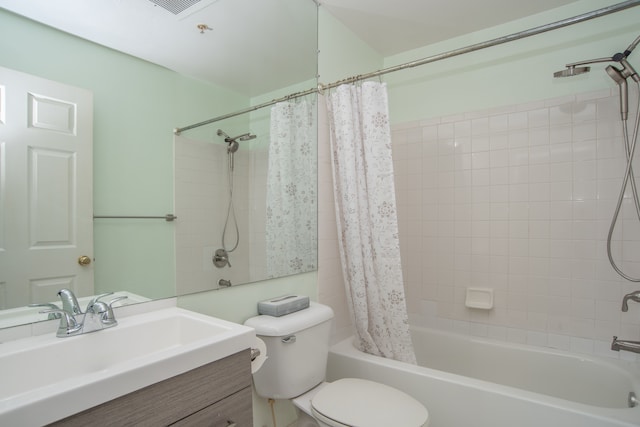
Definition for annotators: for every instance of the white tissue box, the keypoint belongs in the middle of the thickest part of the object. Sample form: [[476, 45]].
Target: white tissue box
[[283, 305]]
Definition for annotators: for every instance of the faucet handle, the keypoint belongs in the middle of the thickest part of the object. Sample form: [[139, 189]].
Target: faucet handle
[[96, 299], [51, 316], [108, 317], [68, 323]]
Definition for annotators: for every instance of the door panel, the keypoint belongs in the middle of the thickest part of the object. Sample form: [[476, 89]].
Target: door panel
[[46, 183]]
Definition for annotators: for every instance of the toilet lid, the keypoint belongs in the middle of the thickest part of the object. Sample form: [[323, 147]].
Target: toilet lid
[[362, 403]]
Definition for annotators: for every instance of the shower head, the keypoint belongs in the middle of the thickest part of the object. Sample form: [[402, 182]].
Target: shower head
[[571, 71], [615, 74], [628, 71], [245, 137], [621, 57], [233, 144], [619, 77]]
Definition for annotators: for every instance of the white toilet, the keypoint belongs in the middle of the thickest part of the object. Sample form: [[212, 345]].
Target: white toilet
[[297, 349]]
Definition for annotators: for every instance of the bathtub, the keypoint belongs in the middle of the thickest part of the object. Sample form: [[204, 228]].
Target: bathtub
[[468, 381]]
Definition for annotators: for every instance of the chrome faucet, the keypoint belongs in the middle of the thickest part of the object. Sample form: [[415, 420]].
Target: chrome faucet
[[617, 345], [633, 346], [69, 302], [98, 315], [633, 296]]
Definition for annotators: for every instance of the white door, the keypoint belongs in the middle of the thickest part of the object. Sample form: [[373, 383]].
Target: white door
[[46, 203]]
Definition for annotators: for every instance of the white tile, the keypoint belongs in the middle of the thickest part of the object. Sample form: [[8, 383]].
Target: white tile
[[446, 131], [518, 120], [539, 191], [560, 114], [499, 176], [539, 155], [584, 131], [518, 156], [559, 134], [499, 123], [560, 153], [498, 141], [480, 126], [481, 160], [480, 143], [519, 174]]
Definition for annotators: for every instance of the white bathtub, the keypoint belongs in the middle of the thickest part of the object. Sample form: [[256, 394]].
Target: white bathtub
[[467, 381]]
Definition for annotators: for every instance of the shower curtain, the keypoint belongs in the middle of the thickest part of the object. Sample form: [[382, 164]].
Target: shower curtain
[[367, 218], [291, 220]]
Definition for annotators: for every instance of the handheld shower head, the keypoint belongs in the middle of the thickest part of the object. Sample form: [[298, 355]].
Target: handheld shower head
[[618, 76], [233, 146], [628, 71]]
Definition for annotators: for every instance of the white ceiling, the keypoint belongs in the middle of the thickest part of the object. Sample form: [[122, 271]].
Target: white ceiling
[[251, 40], [394, 26]]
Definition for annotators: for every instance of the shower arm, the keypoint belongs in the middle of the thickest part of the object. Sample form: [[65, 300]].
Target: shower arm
[[618, 57], [632, 46], [590, 61]]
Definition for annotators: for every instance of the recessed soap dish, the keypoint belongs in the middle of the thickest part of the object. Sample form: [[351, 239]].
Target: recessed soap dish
[[481, 298]]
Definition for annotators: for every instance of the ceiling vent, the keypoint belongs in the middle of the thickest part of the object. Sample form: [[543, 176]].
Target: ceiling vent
[[175, 7], [182, 8]]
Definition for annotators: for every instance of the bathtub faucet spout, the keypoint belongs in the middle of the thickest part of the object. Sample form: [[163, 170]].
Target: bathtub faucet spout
[[633, 296], [617, 345]]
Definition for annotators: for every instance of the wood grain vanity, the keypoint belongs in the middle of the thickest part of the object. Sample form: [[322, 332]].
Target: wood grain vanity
[[216, 395]]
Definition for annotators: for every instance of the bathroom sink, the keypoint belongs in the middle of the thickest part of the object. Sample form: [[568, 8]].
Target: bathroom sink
[[45, 378]]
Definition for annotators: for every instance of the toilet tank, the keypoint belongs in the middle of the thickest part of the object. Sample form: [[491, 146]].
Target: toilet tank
[[297, 349]]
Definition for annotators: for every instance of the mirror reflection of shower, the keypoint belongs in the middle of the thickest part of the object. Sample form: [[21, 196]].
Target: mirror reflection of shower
[[619, 75], [221, 256]]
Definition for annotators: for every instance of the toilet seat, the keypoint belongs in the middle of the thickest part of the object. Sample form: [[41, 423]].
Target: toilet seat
[[363, 403]]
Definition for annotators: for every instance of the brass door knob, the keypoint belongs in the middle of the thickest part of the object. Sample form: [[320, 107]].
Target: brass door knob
[[84, 260]]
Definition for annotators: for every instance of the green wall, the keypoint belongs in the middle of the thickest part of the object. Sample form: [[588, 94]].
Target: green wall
[[512, 73]]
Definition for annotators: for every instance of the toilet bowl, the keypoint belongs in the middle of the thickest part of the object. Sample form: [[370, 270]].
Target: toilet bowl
[[297, 349]]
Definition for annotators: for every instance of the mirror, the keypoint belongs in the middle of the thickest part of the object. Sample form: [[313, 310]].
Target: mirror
[[137, 104]]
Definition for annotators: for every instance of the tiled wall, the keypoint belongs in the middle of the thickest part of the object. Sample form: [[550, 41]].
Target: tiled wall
[[519, 200]]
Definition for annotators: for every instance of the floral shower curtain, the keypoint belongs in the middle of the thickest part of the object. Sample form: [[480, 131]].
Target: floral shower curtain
[[367, 218], [291, 220]]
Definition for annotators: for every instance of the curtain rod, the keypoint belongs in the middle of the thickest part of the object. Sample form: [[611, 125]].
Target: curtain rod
[[434, 58]]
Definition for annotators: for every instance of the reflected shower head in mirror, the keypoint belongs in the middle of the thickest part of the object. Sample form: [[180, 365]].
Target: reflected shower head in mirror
[[233, 144]]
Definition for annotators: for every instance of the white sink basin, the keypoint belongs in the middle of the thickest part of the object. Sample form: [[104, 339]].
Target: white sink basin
[[45, 378]]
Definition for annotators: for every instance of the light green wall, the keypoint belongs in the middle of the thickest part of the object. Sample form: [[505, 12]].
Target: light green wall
[[512, 73], [239, 303]]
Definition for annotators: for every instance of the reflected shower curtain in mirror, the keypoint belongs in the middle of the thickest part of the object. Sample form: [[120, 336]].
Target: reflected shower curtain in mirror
[[367, 218], [291, 220]]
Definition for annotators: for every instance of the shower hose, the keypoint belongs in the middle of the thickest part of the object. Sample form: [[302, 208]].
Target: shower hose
[[629, 179]]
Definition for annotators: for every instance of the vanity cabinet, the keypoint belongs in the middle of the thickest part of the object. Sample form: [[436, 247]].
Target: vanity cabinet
[[215, 395]]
